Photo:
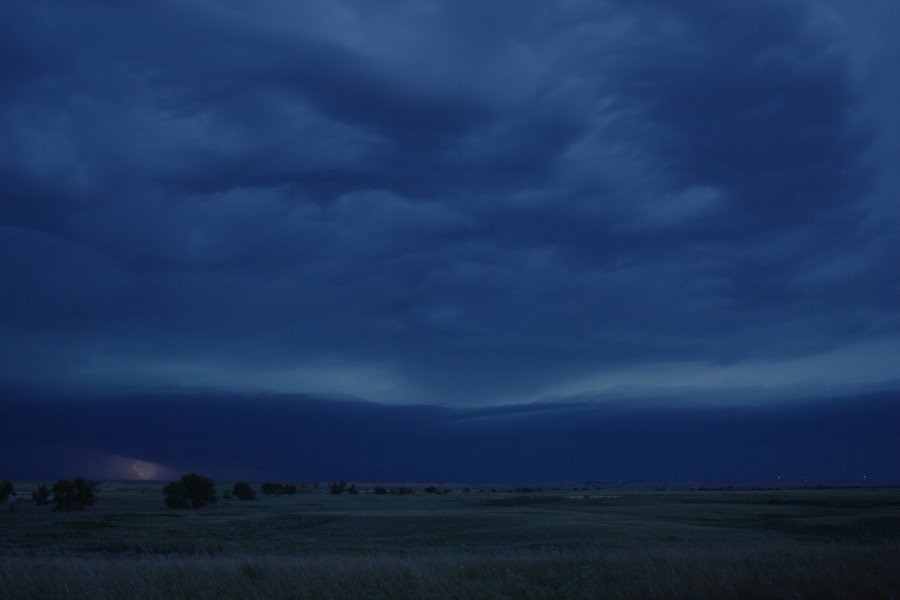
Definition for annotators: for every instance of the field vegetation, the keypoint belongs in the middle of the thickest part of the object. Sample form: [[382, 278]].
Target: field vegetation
[[815, 544]]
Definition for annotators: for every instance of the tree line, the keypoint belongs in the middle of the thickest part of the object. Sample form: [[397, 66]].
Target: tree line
[[66, 494], [191, 491]]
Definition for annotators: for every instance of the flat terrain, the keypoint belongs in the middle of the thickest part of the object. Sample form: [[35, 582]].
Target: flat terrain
[[544, 544]]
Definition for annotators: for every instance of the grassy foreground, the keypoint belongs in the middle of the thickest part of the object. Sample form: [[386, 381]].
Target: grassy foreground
[[629, 544]]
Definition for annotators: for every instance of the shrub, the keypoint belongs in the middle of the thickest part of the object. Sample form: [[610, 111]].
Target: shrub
[[41, 495], [244, 491], [74, 494], [6, 490], [338, 488], [353, 489], [176, 495], [380, 490], [277, 489], [193, 491], [432, 490], [269, 488]]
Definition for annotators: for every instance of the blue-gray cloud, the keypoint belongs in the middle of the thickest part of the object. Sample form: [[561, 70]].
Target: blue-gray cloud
[[460, 203]]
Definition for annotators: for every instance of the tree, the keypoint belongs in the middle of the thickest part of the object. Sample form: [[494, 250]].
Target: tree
[[338, 488], [269, 488], [74, 494], [193, 491], [244, 491], [277, 489], [353, 490], [6, 490], [41, 495]]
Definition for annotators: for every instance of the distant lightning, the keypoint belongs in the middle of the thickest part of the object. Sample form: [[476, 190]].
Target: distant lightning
[[136, 467]]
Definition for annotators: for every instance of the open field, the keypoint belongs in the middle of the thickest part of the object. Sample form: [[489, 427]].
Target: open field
[[547, 544]]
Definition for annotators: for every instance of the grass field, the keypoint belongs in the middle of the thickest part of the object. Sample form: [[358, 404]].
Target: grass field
[[546, 544]]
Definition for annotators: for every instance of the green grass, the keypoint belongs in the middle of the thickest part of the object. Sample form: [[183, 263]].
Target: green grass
[[674, 544]]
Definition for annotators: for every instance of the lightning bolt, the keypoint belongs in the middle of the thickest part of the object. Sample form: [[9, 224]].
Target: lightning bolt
[[136, 467]]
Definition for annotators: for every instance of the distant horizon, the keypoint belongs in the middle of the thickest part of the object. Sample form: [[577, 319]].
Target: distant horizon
[[848, 439], [518, 487]]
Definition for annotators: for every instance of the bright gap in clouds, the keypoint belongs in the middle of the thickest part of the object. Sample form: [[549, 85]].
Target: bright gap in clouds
[[860, 366]]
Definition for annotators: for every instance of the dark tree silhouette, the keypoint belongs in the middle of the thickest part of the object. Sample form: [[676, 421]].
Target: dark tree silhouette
[[74, 494], [6, 490], [193, 491], [244, 491], [41, 495], [270, 488]]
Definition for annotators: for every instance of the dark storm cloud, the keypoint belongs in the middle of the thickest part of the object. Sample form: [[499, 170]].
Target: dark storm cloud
[[753, 103], [445, 204]]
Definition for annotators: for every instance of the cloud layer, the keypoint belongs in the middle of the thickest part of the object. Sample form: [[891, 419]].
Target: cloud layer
[[447, 203]]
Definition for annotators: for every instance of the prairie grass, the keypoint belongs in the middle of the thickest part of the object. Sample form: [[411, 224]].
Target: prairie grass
[[796, 544], [785, 570]]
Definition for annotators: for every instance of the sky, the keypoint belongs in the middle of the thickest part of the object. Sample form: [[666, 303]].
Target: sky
[[594, 218]]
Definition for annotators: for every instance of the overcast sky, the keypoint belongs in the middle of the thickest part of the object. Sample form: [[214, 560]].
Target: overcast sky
[[460, 204]]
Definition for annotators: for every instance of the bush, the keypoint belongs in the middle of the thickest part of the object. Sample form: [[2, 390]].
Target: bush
[[338, 488], [74, 494], [432, 490], [6, 490], [41, 495], [380, 490], [269, 488], [193, 491], [244, 491]]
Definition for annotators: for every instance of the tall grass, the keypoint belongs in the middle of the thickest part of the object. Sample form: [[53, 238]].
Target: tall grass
[[819, 571]]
